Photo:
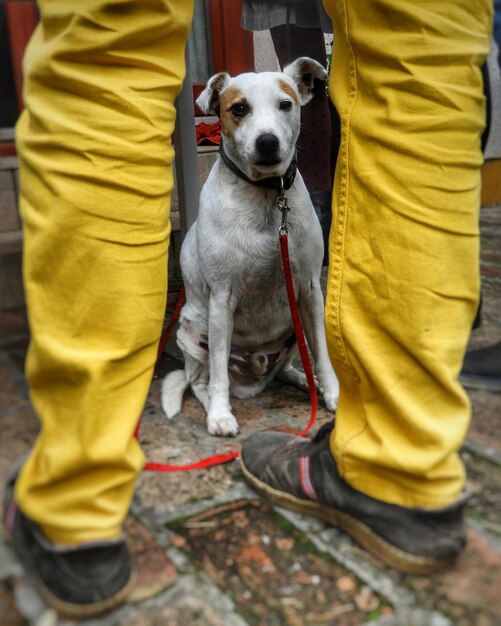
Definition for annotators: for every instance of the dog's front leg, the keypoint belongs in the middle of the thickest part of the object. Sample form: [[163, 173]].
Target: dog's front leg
[[220, 419], [311, 308]]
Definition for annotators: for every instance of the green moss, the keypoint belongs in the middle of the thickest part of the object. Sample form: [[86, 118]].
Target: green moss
[[282, 523], [177, 525], [475, 515]]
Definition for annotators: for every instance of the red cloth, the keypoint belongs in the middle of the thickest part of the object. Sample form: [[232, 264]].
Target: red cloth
[[208, 134]]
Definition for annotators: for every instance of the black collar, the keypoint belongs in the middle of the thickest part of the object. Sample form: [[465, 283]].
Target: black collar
[[273, 182]]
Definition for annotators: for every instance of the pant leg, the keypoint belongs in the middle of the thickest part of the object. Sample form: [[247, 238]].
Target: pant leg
[[96, 171], [403, 281], [314, 142]]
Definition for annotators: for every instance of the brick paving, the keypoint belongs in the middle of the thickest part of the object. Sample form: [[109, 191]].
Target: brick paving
[[213, 553]]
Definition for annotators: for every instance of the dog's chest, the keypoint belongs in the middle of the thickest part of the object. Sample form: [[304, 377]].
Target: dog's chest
[[262, 304], [262, 298]]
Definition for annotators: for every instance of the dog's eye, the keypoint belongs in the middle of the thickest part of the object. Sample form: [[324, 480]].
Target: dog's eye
[[239, 109], [285, 105]]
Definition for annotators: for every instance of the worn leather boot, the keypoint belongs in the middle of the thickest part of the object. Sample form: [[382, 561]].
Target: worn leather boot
[[482, 369], [300, 474], [79, 581]]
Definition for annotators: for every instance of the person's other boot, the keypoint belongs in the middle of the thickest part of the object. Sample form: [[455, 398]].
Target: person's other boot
[[482, 369], [79, 581]]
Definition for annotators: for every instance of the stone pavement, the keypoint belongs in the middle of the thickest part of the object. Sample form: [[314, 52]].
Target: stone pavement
[[223, 557]]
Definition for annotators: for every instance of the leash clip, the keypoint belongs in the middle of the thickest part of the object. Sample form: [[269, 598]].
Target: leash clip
[[283, 205]]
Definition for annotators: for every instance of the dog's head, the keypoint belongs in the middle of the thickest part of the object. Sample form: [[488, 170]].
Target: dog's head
[[260, 114]]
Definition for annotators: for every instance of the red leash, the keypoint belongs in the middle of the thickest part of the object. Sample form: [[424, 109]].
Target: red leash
[[220, 459], [298, 329]]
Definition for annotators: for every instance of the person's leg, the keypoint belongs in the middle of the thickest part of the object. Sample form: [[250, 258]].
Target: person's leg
[[314, 142], [403, 283], [403, 276], [94, 145]]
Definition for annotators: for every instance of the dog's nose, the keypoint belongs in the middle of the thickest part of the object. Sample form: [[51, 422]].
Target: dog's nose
[[267, 144]]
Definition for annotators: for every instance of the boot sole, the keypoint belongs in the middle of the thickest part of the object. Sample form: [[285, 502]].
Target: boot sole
[[84, 611], [357, 530], [70, 609]]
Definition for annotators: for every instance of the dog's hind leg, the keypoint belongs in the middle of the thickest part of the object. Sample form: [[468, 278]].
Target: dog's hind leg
[[175, 384], [198, 376], [291, 375]]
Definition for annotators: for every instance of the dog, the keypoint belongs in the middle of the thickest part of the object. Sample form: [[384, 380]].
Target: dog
[[235, 331]]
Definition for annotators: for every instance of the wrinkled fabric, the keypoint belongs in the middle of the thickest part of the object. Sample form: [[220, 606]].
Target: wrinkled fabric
[[94, 144], [403, 280]]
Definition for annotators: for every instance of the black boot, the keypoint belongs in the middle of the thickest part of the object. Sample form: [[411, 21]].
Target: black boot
[[482, 369], [302, 475], [79, 581]]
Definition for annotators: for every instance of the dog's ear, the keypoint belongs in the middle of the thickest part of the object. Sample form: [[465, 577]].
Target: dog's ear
[[307, 74], [208, 100]]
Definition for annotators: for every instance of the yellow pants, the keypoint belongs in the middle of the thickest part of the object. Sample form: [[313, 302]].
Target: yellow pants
[[96, 171], [95, 158], [403, 279]]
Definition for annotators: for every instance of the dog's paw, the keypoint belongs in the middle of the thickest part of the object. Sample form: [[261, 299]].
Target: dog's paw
[[331, 399], [222, 425]]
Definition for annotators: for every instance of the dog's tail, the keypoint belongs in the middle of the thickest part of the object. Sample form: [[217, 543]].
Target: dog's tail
[[173, 387]]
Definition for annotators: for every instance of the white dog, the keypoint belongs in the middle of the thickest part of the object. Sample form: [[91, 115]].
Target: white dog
[[235, 330]]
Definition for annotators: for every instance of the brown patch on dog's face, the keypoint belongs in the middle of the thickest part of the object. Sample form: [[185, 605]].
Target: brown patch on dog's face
[[290, 91], [232, 97]]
